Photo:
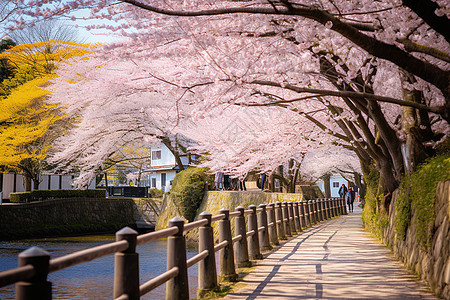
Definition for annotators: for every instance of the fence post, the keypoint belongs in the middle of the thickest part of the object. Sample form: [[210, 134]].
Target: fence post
[[279, 221], [264, 242], [37, 287], [316, 213], [317, 207], [324, 209], [303, 214], [311, 212], [336, 207], [339, 201], [253, 240], [344, 205], [291, 218], [207, 274], [331, 207], [241, 249], [297, 218], [227, 271], [177, 287], [273, 236], [285, 219], [319, 210], [327, 208], [126, 266]]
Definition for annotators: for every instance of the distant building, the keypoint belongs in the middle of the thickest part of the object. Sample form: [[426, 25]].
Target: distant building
[[163, 169], [336, 182], [13, 183]]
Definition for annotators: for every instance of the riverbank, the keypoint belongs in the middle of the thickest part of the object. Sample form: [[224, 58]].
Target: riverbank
[[62, 217]]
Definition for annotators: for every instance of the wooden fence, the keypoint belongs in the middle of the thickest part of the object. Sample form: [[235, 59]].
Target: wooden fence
[[264, 226]]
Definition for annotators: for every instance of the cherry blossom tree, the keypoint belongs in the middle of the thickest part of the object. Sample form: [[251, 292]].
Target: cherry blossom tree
[[344, 70]]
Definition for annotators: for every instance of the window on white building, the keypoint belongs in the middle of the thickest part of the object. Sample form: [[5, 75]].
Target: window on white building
[[156, 155], [163, 179], [153, 182], [335, 184]]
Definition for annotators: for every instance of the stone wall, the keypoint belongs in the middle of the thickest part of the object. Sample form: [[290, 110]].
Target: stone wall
[[432, 265], [216, 200], [65, 216]]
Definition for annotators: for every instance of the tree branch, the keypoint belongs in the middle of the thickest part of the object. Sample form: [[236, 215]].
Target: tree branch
[[413, 47], [425, 9], [434, 109], [427, 71]]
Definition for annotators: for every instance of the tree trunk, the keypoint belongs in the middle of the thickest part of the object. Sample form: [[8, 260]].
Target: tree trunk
[[388, 181], [413, 150], [281, 178], [271, 185], [27, 182], [296, 176], [36, 184], [361, 185], [326, 185], [169, 146]]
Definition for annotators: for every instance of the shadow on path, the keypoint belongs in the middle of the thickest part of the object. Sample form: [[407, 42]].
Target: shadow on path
[[332, 260]]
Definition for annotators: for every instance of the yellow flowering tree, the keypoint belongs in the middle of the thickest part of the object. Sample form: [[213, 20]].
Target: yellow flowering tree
[[28, 125]]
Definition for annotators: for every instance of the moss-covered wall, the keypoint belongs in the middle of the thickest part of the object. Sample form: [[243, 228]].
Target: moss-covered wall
[[65, 216], [433, 262], [216, 200], [415, 224]]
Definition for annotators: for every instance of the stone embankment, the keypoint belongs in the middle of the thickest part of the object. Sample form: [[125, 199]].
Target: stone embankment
[[432, 265], [213, 201], [64, 217]]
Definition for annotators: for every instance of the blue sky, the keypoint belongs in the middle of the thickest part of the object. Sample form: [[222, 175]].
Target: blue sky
[[92, 36]]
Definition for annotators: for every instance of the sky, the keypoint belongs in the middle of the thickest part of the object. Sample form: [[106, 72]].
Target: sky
[[92, 36], [84, 35]]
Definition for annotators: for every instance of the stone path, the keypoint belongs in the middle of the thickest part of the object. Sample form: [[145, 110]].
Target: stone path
[[332, 260]]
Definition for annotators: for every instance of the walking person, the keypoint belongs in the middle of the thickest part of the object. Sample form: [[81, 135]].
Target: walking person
[[218, 180], [342, 191], [242, 186], [263, 181], [350, 198]]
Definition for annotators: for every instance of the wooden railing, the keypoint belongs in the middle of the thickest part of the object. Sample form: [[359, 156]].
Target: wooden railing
[[264, 227]]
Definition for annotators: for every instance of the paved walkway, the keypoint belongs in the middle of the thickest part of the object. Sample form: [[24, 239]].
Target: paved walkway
[[332, 260]]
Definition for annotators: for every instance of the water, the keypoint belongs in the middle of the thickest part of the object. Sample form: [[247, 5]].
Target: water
[[94, 279]]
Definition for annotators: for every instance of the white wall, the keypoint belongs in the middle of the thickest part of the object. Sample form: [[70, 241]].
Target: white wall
[[8, 183], [334, 190], [340, 181], [167, 157]]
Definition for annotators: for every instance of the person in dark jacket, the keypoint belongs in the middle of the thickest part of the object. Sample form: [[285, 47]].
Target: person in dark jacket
[[343, 191], [263, 181], [350, 198]]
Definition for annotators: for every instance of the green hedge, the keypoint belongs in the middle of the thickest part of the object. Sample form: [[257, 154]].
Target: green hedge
[[156, 193], [55, 194], [188, 190]]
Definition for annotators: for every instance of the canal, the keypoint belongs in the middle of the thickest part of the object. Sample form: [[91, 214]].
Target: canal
[[94, 279]]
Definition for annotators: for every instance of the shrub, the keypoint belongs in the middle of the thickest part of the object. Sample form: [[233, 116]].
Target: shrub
[[156, 193], [188, 190], [374, 218], [55, 194]]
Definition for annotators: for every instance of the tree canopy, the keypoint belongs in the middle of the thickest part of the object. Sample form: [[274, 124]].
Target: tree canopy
[[26, 120], [369, 76]]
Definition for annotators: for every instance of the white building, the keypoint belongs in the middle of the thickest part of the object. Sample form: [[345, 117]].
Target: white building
[[13, 183], [163, 169], [336, 182]]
